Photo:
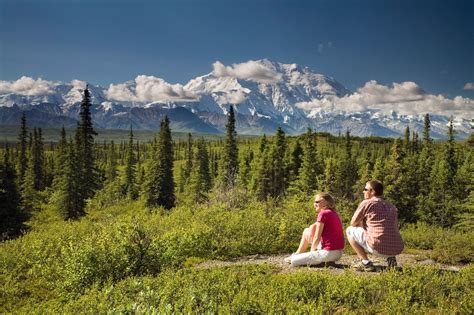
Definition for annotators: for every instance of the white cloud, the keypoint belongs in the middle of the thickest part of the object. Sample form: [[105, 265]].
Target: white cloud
[[27, 86], [469, 86], [232, 97], [78, 84], [406, 98], [149, 89], [250, 70]]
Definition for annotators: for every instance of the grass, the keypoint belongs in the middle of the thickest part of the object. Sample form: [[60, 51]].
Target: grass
[[128, 258]]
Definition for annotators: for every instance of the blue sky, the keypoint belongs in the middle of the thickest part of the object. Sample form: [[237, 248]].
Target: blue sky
[[105, 41]]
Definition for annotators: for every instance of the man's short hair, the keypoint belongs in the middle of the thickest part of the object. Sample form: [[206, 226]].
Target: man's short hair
[[377, 186]]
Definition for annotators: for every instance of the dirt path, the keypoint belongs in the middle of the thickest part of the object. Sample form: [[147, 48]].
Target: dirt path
[[343, 264]]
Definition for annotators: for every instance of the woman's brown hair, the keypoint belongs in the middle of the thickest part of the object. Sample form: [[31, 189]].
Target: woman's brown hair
[[330, 200]]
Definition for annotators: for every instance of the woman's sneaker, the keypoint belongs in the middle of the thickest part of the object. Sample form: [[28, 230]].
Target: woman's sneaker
[[360, 266], [287, 260], [391, 262]]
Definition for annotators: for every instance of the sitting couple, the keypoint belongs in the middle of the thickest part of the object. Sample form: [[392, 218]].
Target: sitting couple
[[373, 230]]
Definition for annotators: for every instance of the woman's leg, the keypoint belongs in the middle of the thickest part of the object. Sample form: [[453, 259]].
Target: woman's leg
[[304, 243]]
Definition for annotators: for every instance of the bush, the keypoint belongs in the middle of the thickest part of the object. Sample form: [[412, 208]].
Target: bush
[[261, 289], [423, 236], [458, 248]]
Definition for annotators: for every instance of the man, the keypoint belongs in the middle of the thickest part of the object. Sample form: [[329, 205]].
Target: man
[[374, 228]]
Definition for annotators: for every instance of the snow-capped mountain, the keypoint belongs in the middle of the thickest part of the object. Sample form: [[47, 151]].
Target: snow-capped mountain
[[265, 94]]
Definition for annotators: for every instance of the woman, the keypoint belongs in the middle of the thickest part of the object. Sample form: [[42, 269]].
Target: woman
[[325, 237]]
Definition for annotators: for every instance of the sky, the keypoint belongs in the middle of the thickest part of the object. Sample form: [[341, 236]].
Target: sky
[[430, 42]]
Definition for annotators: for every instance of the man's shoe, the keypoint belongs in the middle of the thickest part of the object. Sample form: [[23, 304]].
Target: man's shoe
[[360, 266], [392, 262]]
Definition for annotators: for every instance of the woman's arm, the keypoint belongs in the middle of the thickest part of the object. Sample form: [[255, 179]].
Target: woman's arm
[[317, 235]]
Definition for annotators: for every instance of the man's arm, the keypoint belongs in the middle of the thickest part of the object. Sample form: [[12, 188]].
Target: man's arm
[[358, 217]]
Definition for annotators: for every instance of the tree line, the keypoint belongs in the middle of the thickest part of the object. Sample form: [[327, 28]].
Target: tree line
[[427, 180]]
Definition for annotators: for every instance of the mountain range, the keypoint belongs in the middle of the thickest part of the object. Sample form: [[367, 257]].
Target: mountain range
[[261, 104]]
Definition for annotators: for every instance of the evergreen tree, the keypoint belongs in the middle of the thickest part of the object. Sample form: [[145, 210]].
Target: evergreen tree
[[262, 184], [230, 158], [22, 148], [395, 181], [329, 182], [246, 168], [186, 171], [279, 171], [201, 181], [424, 172], [426, 130], [450, 160], [406, 141], [130, 169], [87, 171], [62, 151], [160, 183], [346, 171], [309, 169], [366, 170], [296, 159], [260, 178], [37, 152], [442, 202], [68, 199], [111, 170], [28, 189], [379, 170], [12, 215]]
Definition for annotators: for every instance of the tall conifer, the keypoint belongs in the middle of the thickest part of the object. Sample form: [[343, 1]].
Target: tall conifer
[[130, 169], [12, 215], [309, 168], [87, 171], [160, 183], [230, 157], [22, 148]]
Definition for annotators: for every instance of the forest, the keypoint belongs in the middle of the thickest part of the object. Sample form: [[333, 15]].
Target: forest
[[90, 226]]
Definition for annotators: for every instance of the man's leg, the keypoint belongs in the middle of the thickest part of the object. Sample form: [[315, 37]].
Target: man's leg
[[360, 251]]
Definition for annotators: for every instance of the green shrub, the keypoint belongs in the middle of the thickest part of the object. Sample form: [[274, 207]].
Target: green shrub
[[261, 289], [423, 236], [458, 248]]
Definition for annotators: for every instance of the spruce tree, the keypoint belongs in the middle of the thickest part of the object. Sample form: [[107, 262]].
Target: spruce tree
[[22, 148], [330, 180], [451, 163], [111, 170], [61, 152], [37, 153], [246, 168], [201, 181], [406, 140], [230, 157], [279, 170], [68, 199], [260, 177], [296, 160], [160, 184], [309, 168], [28, 189], [12, 215], [424, 172], [130, 169], [346, 171], [87, 171], [186, 170]]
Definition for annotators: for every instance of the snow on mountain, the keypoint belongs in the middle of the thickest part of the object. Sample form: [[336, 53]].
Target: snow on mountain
[[265, 94]]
